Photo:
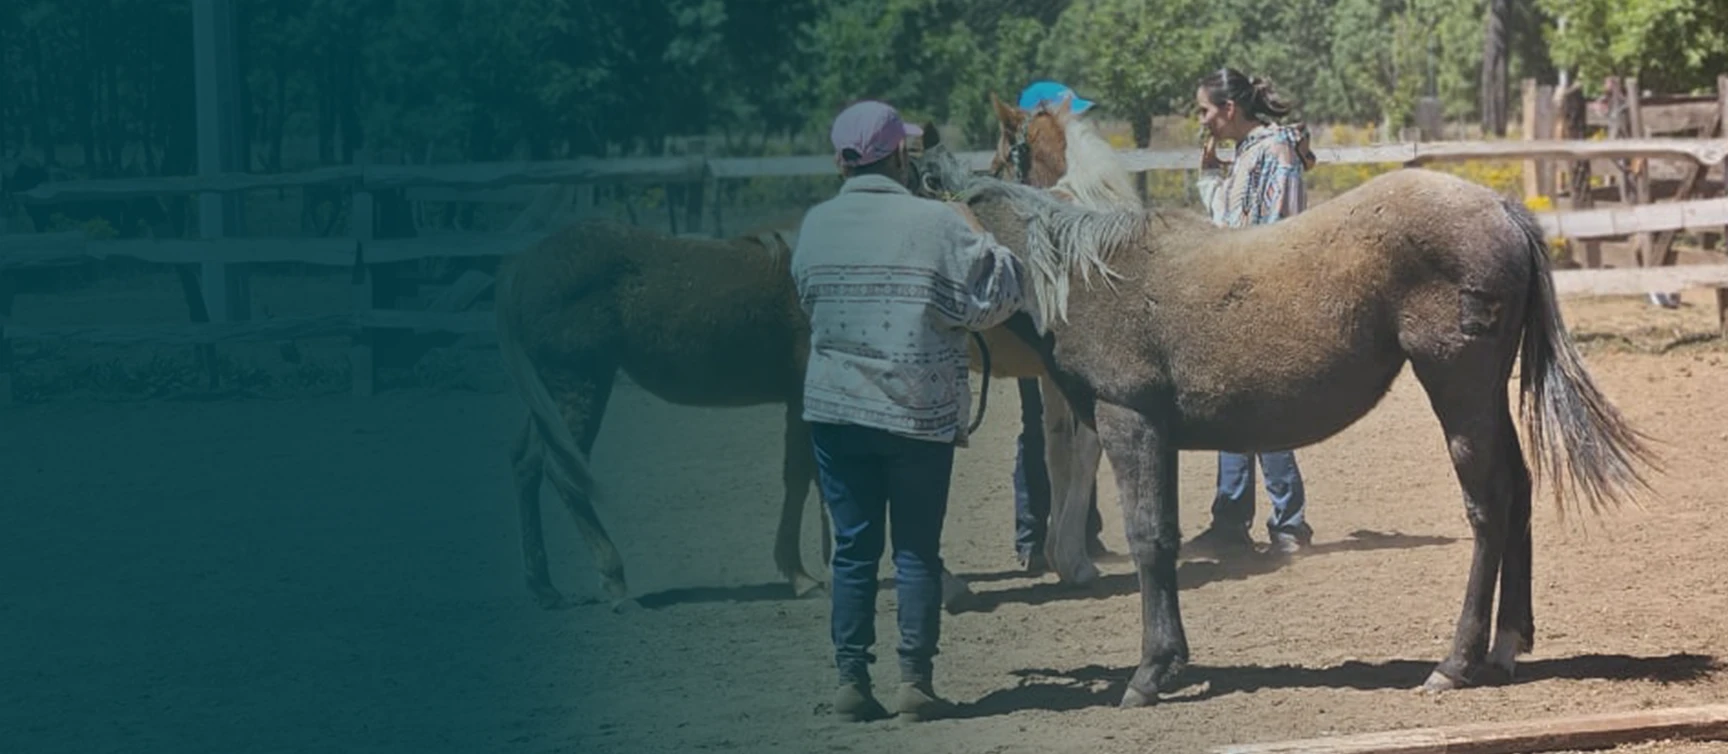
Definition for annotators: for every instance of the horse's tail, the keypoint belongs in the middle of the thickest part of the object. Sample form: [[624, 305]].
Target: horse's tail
[[1572, 427], [569, 468]]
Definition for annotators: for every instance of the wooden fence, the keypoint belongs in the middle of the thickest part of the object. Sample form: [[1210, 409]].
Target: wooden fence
[[372, 312]]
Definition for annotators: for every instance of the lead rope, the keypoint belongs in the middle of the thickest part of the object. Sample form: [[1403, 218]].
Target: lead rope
[[1020, 159], [984, 387]]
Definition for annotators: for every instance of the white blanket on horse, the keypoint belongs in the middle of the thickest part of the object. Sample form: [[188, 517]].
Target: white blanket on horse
[[892, 283]]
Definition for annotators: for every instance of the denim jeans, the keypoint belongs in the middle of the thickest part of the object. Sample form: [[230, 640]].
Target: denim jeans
[[1233, 505], [1032, 478], [878, 485]]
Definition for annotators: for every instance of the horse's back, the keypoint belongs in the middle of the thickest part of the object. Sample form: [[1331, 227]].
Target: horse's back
[[697, 321], [1298, 327]]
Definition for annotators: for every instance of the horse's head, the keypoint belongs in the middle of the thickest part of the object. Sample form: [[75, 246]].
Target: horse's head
[[1031, 147], [1053, 148], [934, 172]]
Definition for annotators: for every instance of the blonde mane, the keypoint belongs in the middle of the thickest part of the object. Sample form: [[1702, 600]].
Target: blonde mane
[[1095, 176], [1062, 238]]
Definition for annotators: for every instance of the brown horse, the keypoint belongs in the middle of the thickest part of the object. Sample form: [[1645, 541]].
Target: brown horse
[[696, 322], [1159, 348]]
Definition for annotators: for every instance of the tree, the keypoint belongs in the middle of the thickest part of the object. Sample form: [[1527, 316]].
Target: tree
[[1141, 57], [1494, 61], [1670, 45]]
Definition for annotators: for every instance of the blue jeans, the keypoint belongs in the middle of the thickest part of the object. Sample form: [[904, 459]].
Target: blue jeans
[[877, 484], [1032, 479], [1233, 506]]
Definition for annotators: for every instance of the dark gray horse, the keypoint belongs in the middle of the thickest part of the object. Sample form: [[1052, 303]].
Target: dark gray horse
[[1149, 326]]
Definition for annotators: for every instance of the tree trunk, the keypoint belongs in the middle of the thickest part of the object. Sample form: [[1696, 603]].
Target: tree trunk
[[1493, 82]]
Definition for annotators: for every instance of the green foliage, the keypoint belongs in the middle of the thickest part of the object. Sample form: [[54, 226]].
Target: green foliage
[[1670, 45], [105, 81], [1141, 57], [1390, 53]]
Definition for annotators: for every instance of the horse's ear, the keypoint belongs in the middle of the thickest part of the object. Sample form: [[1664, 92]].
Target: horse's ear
[[1007, 116], [932, 137]]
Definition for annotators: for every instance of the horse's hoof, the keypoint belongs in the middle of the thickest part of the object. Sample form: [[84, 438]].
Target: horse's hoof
[[1502, 666], [1503, 657], [550, 599], [1439, 683], [805, 586], [1085, 575], [1132, 698], [625, 605]]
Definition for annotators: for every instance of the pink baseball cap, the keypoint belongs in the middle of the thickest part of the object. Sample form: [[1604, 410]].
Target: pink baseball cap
[[870, 128]]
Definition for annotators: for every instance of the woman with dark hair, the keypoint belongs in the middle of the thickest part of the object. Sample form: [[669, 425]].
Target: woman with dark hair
[[1263, 184]]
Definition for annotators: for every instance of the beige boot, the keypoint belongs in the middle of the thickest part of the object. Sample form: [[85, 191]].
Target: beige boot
[[854, 703], [918, 702]]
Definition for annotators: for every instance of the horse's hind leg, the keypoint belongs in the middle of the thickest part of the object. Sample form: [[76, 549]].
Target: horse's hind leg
[[582, 398], [1479, 432], [798, 470], [1515, 626], [527, 470]]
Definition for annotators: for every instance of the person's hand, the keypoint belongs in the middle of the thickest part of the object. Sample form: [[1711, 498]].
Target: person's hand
[[966, 214], [1209, 154]]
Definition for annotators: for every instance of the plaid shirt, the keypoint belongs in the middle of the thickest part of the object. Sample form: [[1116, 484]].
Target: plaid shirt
[[1264, 183]]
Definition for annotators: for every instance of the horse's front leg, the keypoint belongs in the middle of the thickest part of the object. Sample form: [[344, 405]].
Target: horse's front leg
[[1144, 457], [1072, 455]]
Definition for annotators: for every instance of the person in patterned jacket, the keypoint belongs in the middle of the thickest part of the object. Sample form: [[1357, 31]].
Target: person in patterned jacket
[[1263, 184], [891, 283]]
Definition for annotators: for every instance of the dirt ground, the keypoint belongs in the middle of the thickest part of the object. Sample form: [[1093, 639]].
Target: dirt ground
[[256, 573]]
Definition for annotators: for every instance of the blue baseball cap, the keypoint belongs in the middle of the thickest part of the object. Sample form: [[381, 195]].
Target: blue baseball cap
[[1050, 91]]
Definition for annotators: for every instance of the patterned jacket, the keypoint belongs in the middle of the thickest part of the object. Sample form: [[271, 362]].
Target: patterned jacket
[[1264, 183], [892, 283]]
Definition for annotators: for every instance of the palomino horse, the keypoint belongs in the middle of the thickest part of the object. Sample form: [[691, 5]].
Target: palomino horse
[[1414, 266], [1036, 149]]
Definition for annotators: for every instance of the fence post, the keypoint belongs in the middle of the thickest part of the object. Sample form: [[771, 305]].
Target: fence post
[[1722, 126], [695, 189], [1640, 166], [1527, 116], [227, 295], [6, 291], [361, 356]]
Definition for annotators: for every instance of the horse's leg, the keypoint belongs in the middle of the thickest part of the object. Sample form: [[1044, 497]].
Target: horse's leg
[[582, 397], [798, 470], [527, 467], [1072, 455], [1479, 432], [1515, 626], [1144, 457]]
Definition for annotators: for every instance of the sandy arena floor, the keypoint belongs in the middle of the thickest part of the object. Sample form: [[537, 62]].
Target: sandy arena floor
[[332, 574]]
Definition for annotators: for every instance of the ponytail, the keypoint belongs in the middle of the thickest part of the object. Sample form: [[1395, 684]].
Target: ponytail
[[1254, 96]]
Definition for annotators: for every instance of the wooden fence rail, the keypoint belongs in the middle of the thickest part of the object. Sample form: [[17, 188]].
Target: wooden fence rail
[[695, 169], [371, 313]]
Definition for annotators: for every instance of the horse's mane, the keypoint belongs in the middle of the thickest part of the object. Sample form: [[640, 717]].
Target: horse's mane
[[1095, 176], [1061, 238]]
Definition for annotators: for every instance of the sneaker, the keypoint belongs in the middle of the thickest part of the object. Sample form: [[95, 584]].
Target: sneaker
[[918, 702], [1221, 542], [854, 703]]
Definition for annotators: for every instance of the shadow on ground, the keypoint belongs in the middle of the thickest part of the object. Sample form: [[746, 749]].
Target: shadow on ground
[[1098, 686], [1190, 574]]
